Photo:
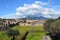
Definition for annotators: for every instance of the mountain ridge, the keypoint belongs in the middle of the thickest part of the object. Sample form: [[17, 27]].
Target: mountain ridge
[[36, 17]]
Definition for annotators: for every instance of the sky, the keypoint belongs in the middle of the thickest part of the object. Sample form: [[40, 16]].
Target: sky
[[23, 8]]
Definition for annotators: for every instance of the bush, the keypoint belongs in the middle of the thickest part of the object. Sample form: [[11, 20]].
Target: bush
[[13, 33], [47, 24], [55, 27]]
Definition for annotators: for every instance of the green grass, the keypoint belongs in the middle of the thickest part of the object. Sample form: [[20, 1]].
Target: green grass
[[28, 28], [36, 35], [32, 36], [3, 36]]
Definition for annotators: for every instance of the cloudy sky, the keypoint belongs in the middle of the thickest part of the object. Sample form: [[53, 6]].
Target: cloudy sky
[[23, 8]]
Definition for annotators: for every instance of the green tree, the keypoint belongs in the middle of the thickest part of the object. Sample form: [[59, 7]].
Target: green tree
[[13, 33], [47, 24], [55, 27], [55, 30]]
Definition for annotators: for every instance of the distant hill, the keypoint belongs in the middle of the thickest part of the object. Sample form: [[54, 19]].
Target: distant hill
[[36, 17]]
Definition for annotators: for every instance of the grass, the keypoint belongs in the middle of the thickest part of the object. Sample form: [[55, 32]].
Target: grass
[[32, 35], [3, 36], [22, 30], [28, 28], [35, 36]]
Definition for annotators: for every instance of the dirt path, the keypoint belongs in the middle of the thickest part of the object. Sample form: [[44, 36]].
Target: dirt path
[[46, 37]]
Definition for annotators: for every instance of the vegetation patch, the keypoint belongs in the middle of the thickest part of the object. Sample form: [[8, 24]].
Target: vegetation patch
[[35, 36]]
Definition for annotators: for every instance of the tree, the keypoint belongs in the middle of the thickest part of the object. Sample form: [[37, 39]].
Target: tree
[[58, 17], [13, 33], [47, 24], [55, 27]]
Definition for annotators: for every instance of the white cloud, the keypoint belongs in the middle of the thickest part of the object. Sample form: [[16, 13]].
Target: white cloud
[[41, 3], [47, 16], [28, 9], [36, 8], [48, 11]]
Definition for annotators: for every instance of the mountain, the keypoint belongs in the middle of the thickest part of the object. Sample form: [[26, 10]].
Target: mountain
[[36, 17]]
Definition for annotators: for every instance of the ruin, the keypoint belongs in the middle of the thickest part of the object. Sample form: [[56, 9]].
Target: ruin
[[7, 23]]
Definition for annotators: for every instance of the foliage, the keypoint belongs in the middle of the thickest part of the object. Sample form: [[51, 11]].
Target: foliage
[[52, 25], [13, 33], [55, 27], [47, 24]]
